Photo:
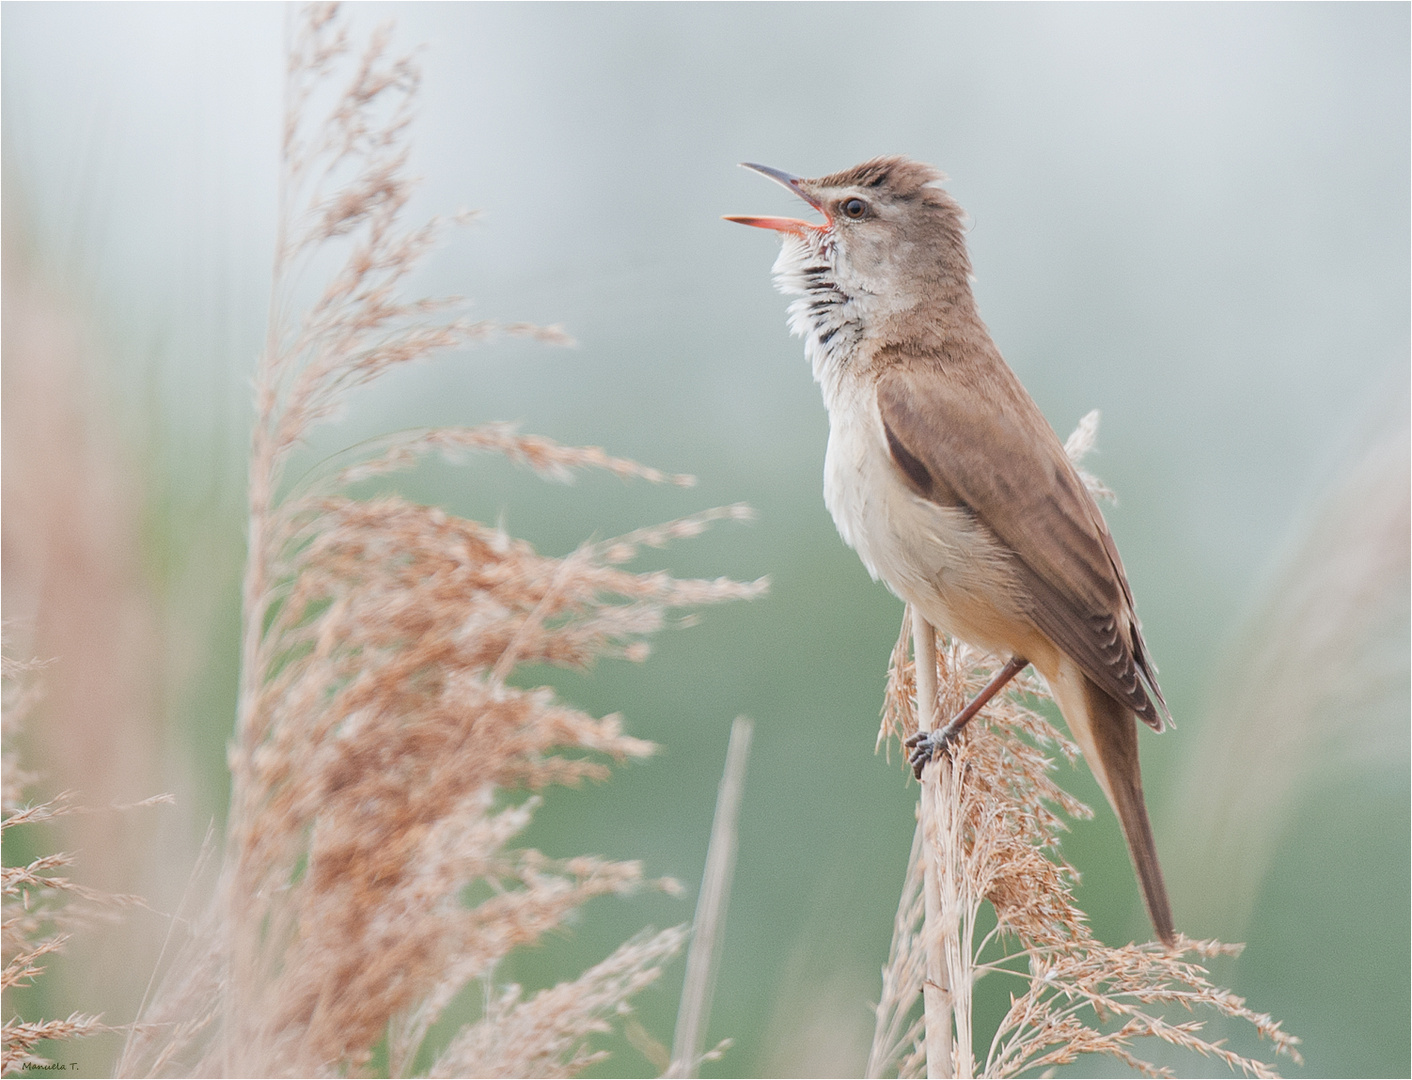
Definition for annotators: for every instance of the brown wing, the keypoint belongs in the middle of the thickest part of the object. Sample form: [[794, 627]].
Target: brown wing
[[1019, 483]]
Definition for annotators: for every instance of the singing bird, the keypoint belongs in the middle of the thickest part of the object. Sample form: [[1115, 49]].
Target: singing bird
[[946, 479]]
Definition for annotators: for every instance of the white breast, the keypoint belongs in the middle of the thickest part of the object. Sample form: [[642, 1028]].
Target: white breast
[[934, 557]]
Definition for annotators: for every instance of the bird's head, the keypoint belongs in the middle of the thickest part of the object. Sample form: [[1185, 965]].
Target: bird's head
[[888, 231]]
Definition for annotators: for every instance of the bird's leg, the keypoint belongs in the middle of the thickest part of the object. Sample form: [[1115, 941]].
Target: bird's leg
[[925, 744]]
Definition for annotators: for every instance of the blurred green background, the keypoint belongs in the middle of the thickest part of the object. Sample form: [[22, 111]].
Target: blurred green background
[[1194, 218]]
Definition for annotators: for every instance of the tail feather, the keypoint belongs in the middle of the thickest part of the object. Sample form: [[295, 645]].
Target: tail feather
[[1106, 731]]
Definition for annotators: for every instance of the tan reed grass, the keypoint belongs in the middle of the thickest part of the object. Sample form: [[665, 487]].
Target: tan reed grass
[[78, 586], [992, 825], [41, 907], [381, 751], [1314, 686], [34, 921], [708, 924]]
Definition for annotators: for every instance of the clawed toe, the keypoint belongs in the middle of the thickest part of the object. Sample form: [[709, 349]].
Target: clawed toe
[[925, 745], [918, 758]]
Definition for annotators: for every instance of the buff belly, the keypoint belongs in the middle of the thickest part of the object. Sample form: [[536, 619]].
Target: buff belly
[[940, 559]]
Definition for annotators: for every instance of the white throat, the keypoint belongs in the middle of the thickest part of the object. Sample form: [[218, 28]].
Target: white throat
[[826, 315]]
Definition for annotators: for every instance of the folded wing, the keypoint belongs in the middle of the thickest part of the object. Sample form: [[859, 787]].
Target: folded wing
[[1021, 486]]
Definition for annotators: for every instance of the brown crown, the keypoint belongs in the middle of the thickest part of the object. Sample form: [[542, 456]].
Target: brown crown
[[901, 176]]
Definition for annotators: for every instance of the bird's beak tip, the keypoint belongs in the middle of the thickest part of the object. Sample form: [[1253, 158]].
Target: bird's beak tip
[[784, 225], [792, 183], [779, 176]]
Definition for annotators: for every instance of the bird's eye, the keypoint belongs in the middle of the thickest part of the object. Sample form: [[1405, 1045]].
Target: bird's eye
[[855, 208]]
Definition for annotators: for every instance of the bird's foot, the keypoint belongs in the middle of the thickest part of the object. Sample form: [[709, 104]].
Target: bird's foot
[[925, 745]]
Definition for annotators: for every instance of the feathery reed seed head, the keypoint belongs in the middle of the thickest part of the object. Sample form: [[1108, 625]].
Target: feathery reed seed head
[[995, 838], [381, 750]]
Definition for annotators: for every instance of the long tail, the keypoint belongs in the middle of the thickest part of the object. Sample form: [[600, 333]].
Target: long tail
[[1106, 731]]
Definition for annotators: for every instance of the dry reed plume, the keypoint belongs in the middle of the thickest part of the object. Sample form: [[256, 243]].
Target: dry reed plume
[[41, 907], [1315, 686], [36, 916], [380, 748], [78, 587], [992, 822]]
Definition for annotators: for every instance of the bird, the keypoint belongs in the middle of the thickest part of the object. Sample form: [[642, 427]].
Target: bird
[[947, 480]]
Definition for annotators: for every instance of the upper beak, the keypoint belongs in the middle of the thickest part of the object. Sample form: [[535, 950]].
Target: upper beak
[[787, 225]]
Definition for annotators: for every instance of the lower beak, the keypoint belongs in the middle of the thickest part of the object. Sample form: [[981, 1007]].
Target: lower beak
[[794, 226], [779, 224]]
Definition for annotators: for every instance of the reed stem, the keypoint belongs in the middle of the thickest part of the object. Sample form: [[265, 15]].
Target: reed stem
[[936, 991]]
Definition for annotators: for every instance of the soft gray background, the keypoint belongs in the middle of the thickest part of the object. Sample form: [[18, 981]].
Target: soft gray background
[[1194, 218]]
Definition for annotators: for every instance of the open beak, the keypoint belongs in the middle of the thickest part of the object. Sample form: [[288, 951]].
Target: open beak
[[785, 225]]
